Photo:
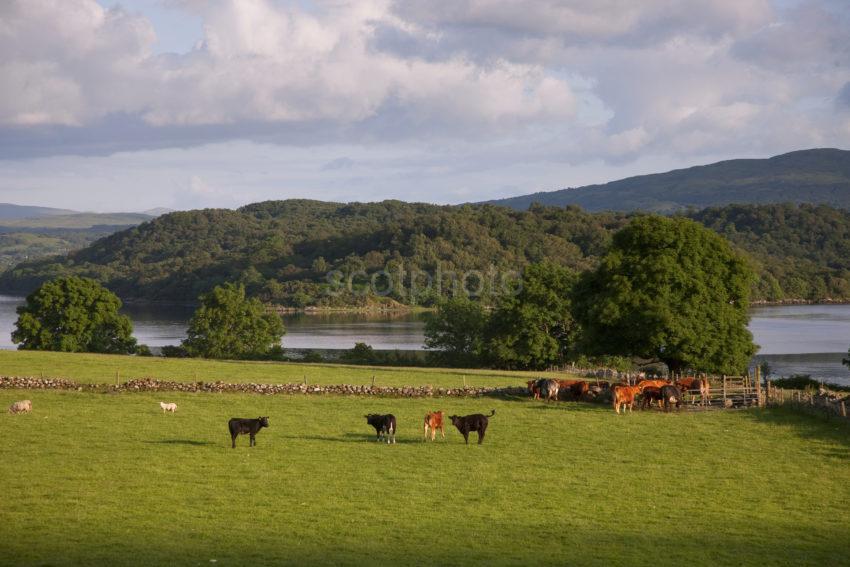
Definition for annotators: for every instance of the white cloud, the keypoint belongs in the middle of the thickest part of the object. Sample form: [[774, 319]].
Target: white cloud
[[259, 62], [470, 94]]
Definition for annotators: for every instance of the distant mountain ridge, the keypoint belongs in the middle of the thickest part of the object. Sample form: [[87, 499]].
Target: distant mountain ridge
[[815, 176], [9, 211]]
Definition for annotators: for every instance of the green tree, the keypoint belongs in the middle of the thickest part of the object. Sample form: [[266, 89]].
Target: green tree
[[73, 314], [672, 291], [455, 333], [534, 328], [230, 325], [360, 354]]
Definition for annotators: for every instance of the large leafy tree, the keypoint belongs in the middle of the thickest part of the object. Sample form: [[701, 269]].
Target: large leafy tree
[[73, 314], [534, 327], [230, 325], [455, 333], [672, 291]]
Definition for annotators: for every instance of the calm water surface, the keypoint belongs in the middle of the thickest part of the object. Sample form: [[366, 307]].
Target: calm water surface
[[809, 339]]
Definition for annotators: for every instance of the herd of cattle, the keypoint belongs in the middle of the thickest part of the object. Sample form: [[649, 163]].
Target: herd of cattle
[[385, 425], [665, 393]]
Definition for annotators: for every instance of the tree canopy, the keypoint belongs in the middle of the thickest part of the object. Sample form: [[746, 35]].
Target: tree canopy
[[73, 314], [534, 328], [228, 324], [672, 291], [455, 333]]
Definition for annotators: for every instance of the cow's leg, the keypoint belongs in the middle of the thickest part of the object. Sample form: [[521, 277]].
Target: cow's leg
[[442, 432], [233, 441], [466, 437], [481, 435], [253, 441]]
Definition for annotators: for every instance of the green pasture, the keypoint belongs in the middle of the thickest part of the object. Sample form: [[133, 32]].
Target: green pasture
[[108, 479], [107, 369]]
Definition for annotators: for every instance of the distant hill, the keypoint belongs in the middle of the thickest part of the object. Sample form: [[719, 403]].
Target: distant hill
[[817, 176], [288, 252], [78, 220], [11, 212]]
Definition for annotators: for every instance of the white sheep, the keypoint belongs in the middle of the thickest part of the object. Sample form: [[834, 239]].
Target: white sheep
[[168, 407], [24, 406]]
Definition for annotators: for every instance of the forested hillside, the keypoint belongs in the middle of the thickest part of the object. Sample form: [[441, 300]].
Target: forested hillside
[[817, 176], [287, 252]]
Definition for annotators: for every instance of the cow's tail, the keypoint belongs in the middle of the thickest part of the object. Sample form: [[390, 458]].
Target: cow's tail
[[492, 413]]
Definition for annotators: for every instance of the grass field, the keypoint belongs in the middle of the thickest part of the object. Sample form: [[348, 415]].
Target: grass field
[[109, 479], [104, 369]]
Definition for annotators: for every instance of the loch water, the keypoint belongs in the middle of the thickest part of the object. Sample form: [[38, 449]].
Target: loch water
[[793, 339]]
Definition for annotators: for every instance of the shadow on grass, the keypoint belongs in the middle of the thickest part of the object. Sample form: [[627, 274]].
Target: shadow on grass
[[585, 407], [190, 442], [809, 426], [349, 438]]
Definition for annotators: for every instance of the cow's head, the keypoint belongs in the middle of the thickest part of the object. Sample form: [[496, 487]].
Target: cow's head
[[456, 420], [264, 421]]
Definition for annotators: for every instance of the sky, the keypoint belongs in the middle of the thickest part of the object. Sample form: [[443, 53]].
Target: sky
[[135, 104]]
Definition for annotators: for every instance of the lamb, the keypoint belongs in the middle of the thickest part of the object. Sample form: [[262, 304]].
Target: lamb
[[24, 406], [168, 407]]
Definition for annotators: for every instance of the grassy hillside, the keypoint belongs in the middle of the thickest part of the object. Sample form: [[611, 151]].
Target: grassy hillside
[[110, 479], [818, 176], [23, 244], [57, 233]]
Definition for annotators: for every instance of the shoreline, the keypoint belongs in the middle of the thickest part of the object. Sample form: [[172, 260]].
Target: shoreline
[[781, 302]]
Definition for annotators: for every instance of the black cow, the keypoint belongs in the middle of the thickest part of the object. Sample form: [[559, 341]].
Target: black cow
[[671, 395], [239, 426], [651, 394], [384, 426], [475, 422]]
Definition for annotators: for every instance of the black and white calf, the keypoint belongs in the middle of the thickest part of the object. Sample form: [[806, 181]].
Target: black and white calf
[[384, 426], [239, 426]]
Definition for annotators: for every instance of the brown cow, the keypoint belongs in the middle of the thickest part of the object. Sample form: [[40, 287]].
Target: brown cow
[[654, 383], [690, 384], [579, 389], [434, 421], [533, 389], [624, 396]]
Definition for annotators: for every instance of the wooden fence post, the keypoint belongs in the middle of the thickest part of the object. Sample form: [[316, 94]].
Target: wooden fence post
[[724, 390], [842, 409]]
